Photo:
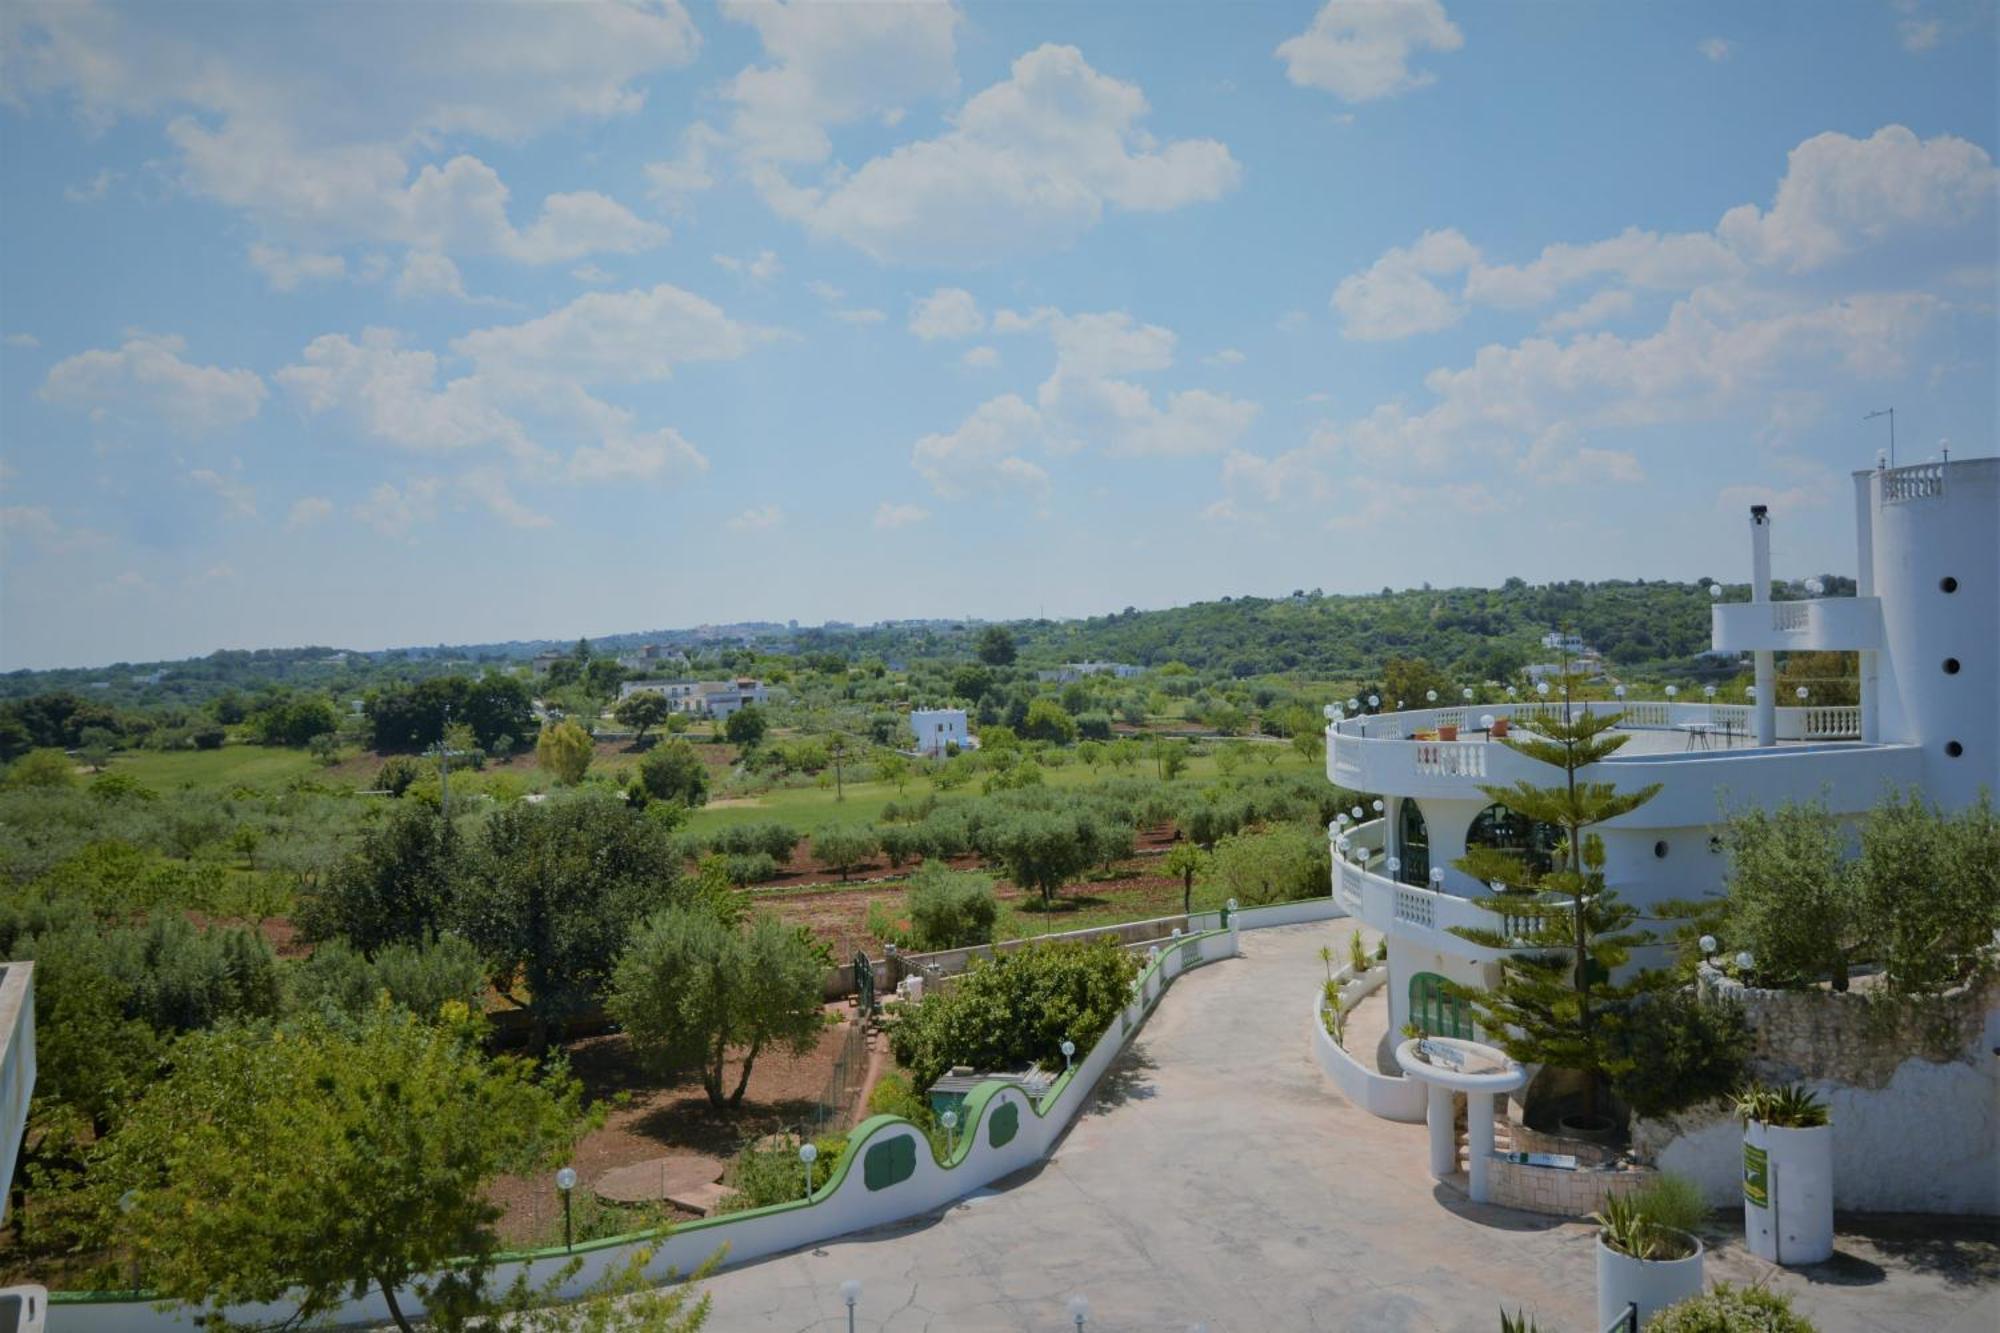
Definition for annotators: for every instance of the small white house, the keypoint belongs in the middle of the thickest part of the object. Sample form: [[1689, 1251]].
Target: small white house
[[936, 728]]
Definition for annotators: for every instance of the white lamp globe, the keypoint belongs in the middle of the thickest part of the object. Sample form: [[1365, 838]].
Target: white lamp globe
[[1356, 812], [1744, 960], [1353, 704], [1079, 1308], [949, 1120], [1486, 721], [1542, 688], [1672, 690], [1466, 694], [1749, 691], [850, 1291], [566, 1179], [1801, 692], [1619, 690], [1708, 690], [1374, 701], [1706, 944], [1715, 590], [1815, 587], [1393, 864], [1510, 691], [1068, 1047], [1437, 875], [808, 1153], [1430, 696], [1378, 805]]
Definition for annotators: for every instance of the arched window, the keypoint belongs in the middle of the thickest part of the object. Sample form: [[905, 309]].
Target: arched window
[[1498, 827], [1413, 844], [1436, 1010]]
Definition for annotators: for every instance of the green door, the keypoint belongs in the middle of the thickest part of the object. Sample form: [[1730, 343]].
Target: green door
[[1436, 1010]]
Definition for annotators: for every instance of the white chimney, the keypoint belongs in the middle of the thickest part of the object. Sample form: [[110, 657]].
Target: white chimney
[[1760, 591]]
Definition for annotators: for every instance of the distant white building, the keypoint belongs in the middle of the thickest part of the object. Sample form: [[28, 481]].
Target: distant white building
[[936, 728], [701, 698], [1073, 671], [1565, 643]]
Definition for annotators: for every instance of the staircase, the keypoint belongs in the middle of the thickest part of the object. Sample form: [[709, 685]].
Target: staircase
[[1503, 1133]]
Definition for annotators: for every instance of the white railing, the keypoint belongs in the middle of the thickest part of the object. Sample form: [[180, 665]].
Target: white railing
[[1645, 715], [1913, 483], [1417, 907], [1837, 722], [1790, 616], [1451, 759]]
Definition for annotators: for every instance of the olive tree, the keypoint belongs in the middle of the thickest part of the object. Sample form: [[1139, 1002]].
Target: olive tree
[[691, 987]]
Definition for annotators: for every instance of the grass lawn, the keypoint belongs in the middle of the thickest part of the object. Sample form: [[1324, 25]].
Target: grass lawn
[[806, 808], [216, 770]]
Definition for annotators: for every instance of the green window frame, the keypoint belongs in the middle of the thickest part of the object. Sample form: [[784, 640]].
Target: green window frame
[[1436, 1010]]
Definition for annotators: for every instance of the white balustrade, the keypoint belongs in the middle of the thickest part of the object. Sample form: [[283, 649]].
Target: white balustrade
[[1451, 759], [1838, 722], [1789, 617], [1416, 907], [1913, 483]]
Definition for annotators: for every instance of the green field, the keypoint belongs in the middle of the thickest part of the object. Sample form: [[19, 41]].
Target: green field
[[806, 808], [215, 770]]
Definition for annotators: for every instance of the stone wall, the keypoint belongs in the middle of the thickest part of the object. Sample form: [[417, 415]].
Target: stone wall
[[1559, 1193], [1912, 1088]]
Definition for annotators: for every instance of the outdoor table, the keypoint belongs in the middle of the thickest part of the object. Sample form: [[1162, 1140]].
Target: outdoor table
[[1696, 732]]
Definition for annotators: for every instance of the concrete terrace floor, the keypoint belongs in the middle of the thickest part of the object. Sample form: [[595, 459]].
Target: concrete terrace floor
[[1220, 1179]]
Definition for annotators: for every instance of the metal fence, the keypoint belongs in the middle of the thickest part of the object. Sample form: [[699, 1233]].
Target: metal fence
[[833, 1110]]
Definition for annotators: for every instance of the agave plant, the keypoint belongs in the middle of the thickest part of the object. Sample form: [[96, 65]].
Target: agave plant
[[1326, 956], [1518, 1322], [1628, 1228], [1336, 1017], [1357, 953], [1793, 1106]]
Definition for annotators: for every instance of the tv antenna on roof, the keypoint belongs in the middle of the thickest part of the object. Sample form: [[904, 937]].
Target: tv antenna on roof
[[1890, 413]]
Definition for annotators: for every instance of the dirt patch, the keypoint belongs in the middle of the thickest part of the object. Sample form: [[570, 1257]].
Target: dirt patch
[[650, 1117]]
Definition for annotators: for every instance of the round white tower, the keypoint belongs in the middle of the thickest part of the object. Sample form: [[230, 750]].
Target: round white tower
[[1930, 549]]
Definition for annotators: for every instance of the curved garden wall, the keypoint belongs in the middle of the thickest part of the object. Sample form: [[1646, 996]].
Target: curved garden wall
[[888, 1173], [1391, 1097]]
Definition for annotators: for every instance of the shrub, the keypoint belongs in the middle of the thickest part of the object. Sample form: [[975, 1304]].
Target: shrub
[[951, 909], [1730, 1309], [397, 773], [895, 1095], [749, 867], [842, 847], [1673, 1201], [1794, 1106], [1275, 867], [1929, 885], [765, 1176], [1016, 1009], [674, 772], [422, 979], [41, 768], [1794, 903], [773, 840], [1679, 1051]]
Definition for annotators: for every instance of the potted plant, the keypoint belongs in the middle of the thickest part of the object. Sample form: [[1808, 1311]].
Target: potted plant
[[1447, 731], [1787, 1174], [1500, 725], [1641, 1260]]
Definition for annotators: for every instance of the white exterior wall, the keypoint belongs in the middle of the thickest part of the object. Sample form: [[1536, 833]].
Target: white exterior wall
[[1926, 525], [17, 1067], [935, 728]]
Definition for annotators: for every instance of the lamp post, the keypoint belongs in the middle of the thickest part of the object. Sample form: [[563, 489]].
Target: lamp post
[[1744, 962], [127, 1202], [1079, 1310], [566, 1182], [808, 1154], [950, 1122], [1378, 805], [1430, 696], [1707, 946], [850, 1292], [1437, 879], [1069, 1054]]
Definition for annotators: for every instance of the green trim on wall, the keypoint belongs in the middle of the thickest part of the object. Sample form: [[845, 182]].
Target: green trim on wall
[[858, 1140]]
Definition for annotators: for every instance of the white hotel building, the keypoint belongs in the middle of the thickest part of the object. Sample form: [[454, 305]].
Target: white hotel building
[[1926, 622]]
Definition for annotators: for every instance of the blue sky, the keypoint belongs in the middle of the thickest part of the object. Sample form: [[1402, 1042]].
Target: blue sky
[[372, 325]]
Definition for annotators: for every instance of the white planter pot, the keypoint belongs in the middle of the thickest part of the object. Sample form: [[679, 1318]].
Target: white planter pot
[[1788, 1193], [1651, 1284]]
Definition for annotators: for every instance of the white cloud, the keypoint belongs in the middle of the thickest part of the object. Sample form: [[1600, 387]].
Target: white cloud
[[1293, 321], [146, 376], [1562, 454], [23, 340], [633, 337], [591, 275], [832, 65], [1360, 50], [1841, 193], [1645, 259], [826, 291], [94, 189], [760, 519], [1228, 356], [1716, 49], [980, 358], [889, 515], [284, 270], [237, 496], [489, 487], [394, 512], [268, 120], [985, 452], [675, 181], [427, 273], [35, 525], [1920, 35], [1611, 303], [392, 392], [762, 267], [948, 312], [1030, 164], [307, 511], [861, 318], [1395, 297]]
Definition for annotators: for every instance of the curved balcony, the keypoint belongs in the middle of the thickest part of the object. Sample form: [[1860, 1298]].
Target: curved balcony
[[1830, 624], [1420, 916], [1404, 754]]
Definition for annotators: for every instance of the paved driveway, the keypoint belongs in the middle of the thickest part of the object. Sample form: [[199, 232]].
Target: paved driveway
[[1220, 1179]]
